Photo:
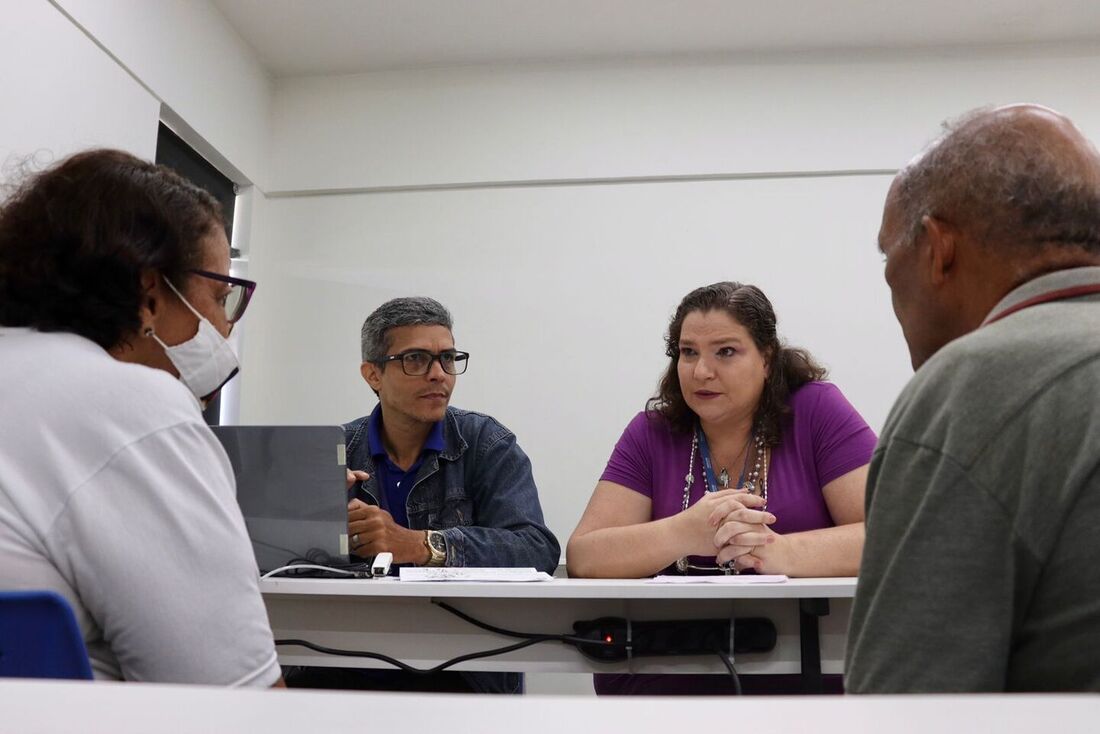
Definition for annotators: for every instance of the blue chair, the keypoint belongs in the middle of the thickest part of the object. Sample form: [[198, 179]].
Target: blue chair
[[39, 637]]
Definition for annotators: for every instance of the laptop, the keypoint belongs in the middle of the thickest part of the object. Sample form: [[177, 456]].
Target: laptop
[[292, 489]]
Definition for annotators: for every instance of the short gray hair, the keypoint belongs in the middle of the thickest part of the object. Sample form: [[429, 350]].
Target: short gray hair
[[412, 311], [1006, 185]]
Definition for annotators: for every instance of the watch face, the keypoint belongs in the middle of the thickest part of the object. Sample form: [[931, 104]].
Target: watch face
[[438, 542]]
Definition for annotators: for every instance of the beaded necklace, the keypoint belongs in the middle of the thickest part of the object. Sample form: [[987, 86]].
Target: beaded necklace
[[759, 474]]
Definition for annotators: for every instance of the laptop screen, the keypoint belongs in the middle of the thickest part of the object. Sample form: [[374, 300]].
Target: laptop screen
[[292, 490]]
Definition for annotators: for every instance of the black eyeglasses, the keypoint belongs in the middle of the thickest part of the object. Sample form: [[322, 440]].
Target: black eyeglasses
[[240, 293], [418, 362]]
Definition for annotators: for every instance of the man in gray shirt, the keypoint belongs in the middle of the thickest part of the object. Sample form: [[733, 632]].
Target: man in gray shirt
[[981, 570]]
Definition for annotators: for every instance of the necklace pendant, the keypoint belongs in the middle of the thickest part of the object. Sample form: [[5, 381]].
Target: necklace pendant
[[750, 485], [724, 478]]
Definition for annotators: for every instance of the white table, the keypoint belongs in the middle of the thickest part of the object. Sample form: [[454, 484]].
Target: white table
[[398, 619], [31, 707]]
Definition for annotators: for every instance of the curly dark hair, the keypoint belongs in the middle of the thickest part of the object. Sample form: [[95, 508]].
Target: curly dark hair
[[788, 368], [76, 238]]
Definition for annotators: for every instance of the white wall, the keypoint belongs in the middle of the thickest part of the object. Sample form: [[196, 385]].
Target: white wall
[[444, 126], [191, 59], [61, 93], [561, 296], [81, 73], [561, 292], [76, 74]]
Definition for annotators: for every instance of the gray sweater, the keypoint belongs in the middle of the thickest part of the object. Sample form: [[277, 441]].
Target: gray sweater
[[981, 570]]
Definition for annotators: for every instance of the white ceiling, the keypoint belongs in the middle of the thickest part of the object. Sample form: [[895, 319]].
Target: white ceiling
[[294, 37]]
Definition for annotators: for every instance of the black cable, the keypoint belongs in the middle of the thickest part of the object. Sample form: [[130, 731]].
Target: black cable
[[403, 666], [568, 639], [733, 672], [320, 556], [291, 572], [528, 639], [272, 546]]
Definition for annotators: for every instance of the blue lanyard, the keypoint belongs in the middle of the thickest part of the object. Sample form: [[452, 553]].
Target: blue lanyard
[[708, 468]]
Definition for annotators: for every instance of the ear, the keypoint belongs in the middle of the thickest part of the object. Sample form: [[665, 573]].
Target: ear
[[942, 239], [372, 373], [151, 298]]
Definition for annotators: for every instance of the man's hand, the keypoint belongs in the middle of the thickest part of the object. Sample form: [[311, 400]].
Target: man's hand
[[356, 476], [371, 530]]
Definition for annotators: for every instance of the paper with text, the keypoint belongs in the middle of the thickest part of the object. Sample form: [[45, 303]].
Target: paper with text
[[411, 573], [731, 579]]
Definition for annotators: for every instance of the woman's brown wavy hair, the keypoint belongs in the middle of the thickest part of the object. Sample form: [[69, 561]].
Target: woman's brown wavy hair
[[788, 368], [76, 238]]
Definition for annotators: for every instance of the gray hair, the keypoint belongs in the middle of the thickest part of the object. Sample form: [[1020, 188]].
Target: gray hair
[[1006, 183], [413, 311]]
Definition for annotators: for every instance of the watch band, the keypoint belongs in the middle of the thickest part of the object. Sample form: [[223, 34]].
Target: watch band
[[437, 550]]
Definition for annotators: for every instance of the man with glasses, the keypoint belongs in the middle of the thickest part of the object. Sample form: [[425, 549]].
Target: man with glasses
[[436, 485], [433, 470]]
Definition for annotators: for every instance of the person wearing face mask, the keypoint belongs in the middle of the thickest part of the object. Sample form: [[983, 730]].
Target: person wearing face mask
[[115, 305], [745, 460], [206, 362]]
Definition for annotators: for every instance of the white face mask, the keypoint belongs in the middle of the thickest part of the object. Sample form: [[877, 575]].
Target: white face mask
[[205, 361]]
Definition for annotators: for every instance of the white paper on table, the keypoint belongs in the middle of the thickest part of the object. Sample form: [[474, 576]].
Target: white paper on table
[[723, 579], [419, 573]]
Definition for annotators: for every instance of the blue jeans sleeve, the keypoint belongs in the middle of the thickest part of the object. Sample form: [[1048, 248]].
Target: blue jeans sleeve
[[508, 529]]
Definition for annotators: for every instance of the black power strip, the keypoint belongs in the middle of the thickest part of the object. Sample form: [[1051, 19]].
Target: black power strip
[[615, 638]]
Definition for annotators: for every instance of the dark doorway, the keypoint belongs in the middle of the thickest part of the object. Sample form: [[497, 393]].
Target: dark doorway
[[173, 152]]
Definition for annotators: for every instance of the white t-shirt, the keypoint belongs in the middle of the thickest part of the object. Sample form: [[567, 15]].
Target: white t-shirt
[[114, 493]]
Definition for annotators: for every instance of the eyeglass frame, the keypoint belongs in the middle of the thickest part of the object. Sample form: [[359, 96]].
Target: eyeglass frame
[[435, 357], [249, 288]]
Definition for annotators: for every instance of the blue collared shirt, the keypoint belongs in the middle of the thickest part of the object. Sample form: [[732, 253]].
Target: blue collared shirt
[[395, 482]]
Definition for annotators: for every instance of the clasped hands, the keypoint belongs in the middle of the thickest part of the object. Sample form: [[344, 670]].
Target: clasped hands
[[734, 523], [372, 530]]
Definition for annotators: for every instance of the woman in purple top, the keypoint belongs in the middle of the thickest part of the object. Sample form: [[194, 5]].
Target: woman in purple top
[[783, 455]]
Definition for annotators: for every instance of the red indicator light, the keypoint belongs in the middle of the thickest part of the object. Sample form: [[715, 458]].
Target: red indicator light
[[607, 639]]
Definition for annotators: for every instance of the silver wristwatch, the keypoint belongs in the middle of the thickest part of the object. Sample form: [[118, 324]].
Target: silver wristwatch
[[436, 543]]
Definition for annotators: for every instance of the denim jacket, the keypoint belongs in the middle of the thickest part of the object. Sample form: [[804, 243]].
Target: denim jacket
[[479, 491]]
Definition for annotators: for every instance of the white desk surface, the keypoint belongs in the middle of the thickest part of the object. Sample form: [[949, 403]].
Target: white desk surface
[[828, 588], [34, 707]]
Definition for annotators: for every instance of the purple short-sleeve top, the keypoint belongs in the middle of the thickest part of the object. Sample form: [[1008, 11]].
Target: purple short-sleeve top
[[823, 438]]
